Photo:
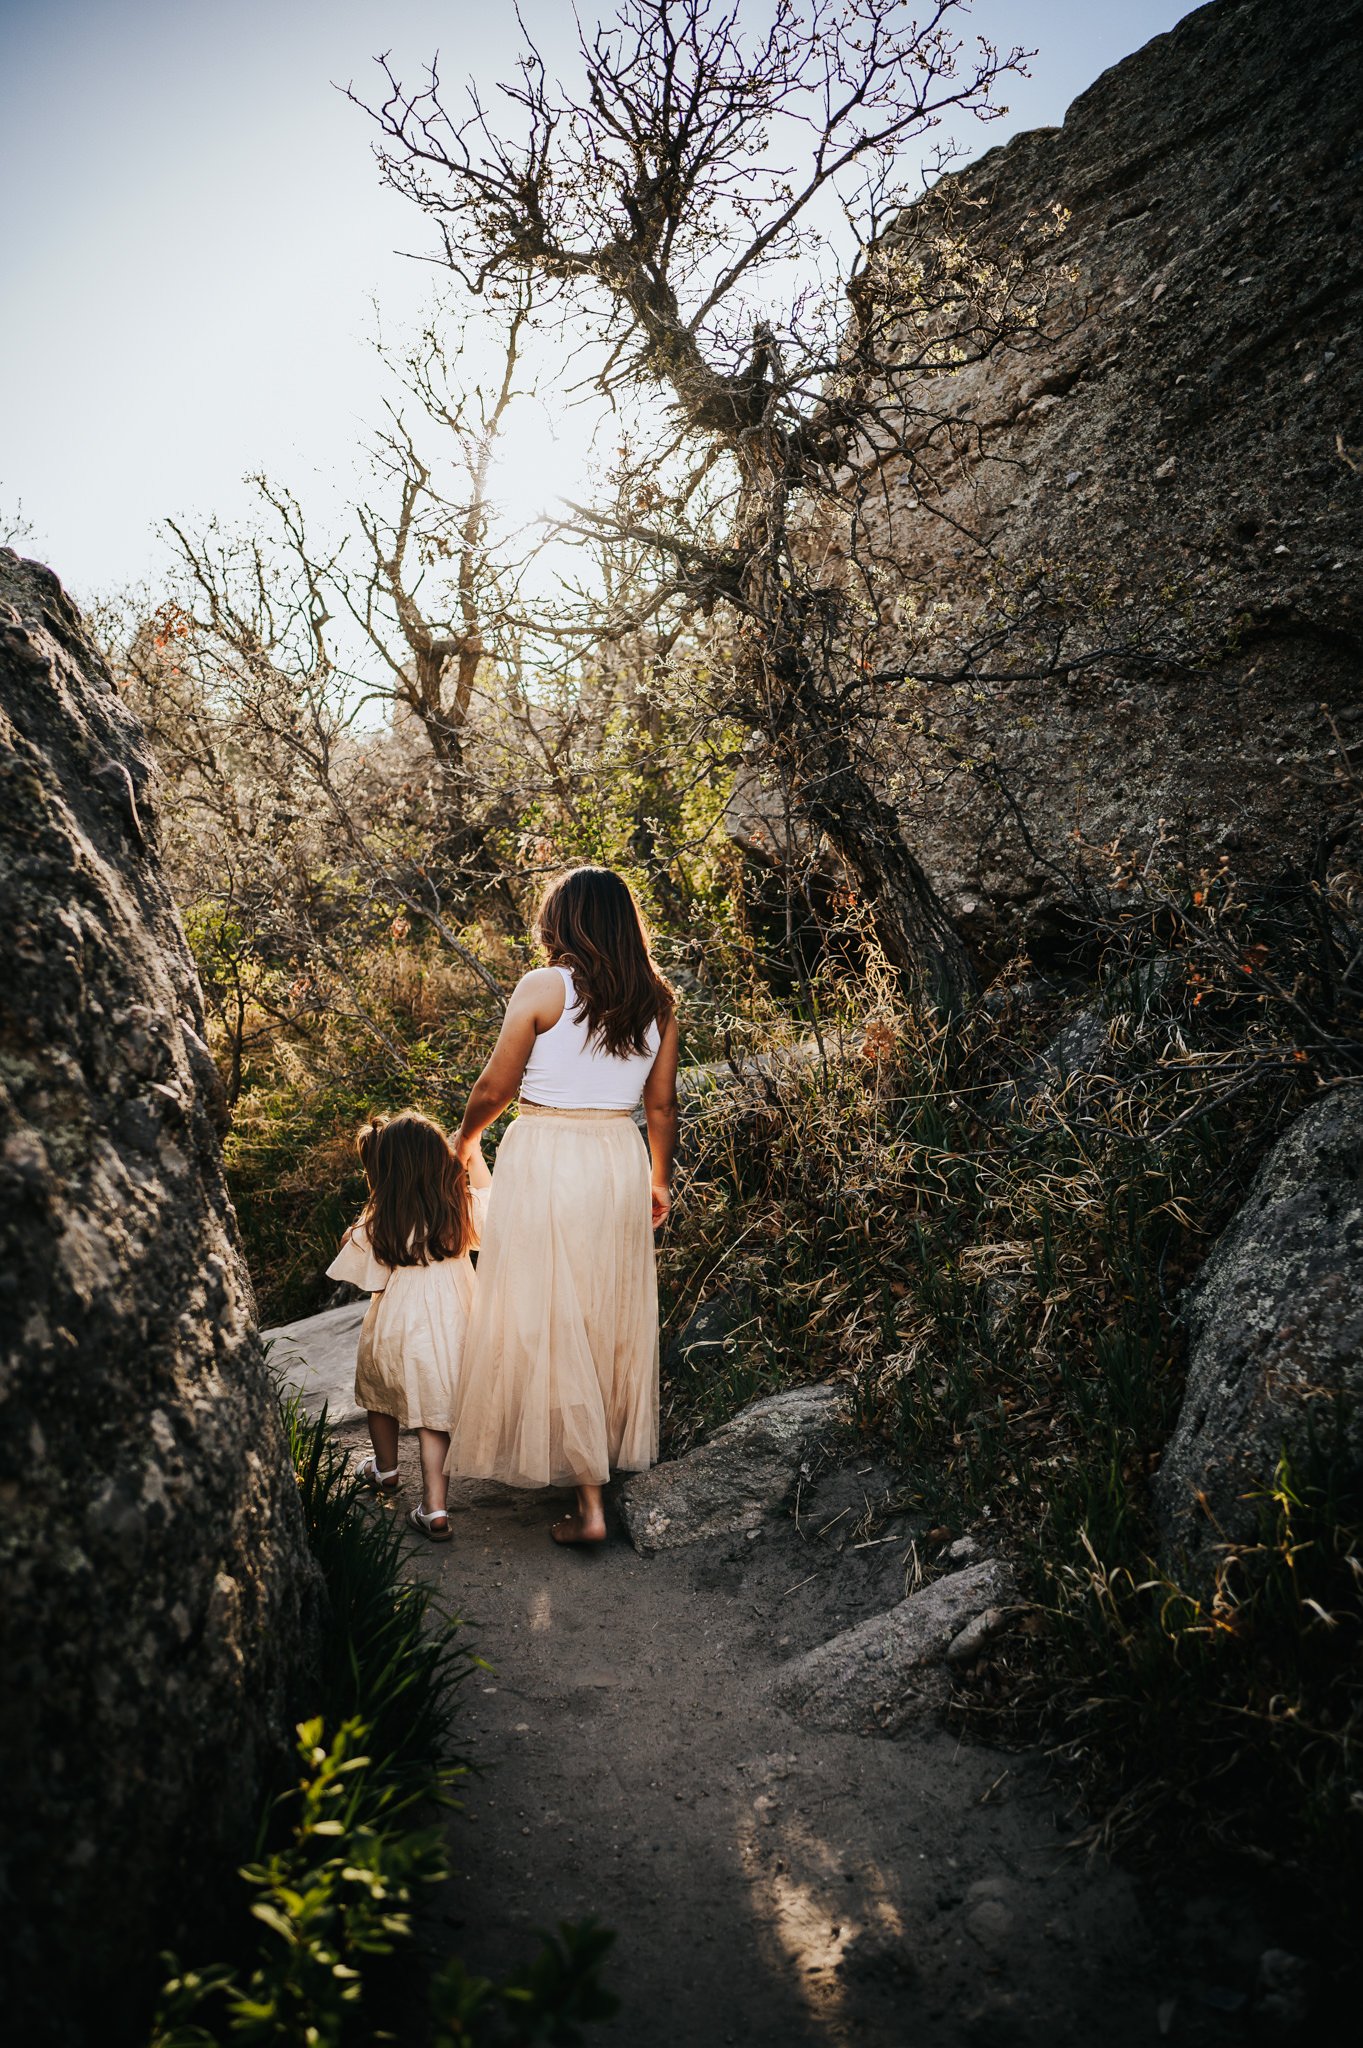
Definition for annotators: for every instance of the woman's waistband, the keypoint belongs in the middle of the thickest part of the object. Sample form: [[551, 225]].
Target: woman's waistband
[[548, 1109]]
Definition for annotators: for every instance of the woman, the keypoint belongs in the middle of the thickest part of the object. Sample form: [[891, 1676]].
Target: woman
[[560, 1380]]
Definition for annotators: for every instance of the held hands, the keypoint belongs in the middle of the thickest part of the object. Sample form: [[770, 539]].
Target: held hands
[[662, 1205]]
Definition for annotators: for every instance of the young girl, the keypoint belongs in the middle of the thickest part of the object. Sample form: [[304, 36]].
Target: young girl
[[410, 1249]]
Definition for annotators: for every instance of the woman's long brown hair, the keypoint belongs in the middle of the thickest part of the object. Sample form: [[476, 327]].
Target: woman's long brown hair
[[418, 1207], [589, 922]]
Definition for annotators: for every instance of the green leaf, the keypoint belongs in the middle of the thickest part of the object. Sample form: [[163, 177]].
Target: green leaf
[[264, 1911]]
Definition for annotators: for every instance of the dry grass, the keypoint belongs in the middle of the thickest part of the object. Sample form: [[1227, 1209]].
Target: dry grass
[[997, 1278]]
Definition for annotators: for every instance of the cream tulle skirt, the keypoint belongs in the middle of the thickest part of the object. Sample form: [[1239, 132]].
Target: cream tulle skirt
[[559, 1385]]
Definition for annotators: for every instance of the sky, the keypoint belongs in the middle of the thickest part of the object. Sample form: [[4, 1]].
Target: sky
[[196, 239]]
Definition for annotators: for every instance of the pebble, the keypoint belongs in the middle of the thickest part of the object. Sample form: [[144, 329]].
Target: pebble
[[1281, 2005], [988, 1917]]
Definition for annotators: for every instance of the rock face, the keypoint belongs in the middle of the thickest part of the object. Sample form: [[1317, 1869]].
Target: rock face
[[1276, 1326], [747, 1471], [1172, 470], [891, 1670], [158, 1591]]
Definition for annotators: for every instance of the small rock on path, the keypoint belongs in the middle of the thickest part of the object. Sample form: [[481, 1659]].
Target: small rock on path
[[743, 1473], [890, 1670]]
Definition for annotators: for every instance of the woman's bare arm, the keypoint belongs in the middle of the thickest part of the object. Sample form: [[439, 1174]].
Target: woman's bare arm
[[536, 1004], [660, 1112]]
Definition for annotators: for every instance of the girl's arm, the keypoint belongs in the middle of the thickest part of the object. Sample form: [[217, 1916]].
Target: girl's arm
[[536, 1004], [660, 1112], [480, 1173]]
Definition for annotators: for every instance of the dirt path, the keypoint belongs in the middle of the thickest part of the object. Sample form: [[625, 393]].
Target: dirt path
[[771, 1885]]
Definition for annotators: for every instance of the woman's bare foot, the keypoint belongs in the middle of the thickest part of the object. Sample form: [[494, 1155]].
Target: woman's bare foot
[[587, 1523], [573, 1529]]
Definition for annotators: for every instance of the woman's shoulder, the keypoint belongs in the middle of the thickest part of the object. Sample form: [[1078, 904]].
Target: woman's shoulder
[[541, 980], [541, 994]]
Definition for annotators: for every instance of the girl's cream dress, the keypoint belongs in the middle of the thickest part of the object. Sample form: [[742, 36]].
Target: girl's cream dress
[[413, 1335], [560, 1379]]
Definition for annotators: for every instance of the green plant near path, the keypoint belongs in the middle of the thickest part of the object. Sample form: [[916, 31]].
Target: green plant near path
[[389, 1660], [550, 2002], [328, 1913], [338, 1892]]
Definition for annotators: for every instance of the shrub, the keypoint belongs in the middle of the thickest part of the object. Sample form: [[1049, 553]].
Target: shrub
[[290, 1155]]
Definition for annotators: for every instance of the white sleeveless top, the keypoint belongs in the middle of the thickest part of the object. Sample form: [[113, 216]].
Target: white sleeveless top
[[564, 1071]]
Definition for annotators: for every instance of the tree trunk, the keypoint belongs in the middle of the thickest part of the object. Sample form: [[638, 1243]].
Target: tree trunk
[[814, 745], [916, 935]]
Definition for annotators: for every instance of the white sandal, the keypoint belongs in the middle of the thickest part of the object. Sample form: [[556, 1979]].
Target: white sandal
[[425, 1520], [368, 1474]]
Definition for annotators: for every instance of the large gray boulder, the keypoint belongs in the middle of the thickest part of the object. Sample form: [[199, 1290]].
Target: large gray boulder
[[1198, 307], [1276, 1339], [157, 1582], [314, 1358], [893, 1669], [745, 1473]]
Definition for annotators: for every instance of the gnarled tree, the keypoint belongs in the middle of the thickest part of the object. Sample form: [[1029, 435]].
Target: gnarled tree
[[707, 205], [313, 704]]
